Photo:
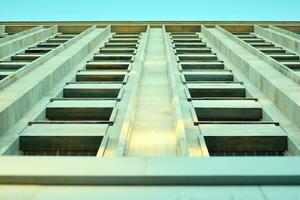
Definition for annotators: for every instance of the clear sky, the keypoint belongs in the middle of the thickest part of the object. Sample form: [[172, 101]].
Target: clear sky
[[80, 10]]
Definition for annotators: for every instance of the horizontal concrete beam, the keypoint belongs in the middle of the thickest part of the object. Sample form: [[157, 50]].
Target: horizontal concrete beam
[[282, 39], [28, 90], [150, 171], [147, 22], [17, 44]]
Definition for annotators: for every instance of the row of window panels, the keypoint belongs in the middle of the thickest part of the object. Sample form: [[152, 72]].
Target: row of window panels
[[21, 59], [278, 53], [76, 123], [231, 123]]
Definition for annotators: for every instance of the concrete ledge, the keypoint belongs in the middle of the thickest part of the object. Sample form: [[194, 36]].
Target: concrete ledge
[[163, 22], [2, 29], [36, 63], [281, 68], [282, 39], [13, 46], [20, 34], [135, 74], [286, 102], [22, 95], [150, 171], [178, 118], [285, 32]]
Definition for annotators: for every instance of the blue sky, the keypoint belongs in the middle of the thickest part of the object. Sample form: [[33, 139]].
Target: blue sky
[[80, 10]]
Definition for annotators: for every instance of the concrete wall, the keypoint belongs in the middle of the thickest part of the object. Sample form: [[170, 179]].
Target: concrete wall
[[20, 34], [285, 32], [2, 29], [280, 90], [271, 83], [12, 46], [286, 41], [24, 93]]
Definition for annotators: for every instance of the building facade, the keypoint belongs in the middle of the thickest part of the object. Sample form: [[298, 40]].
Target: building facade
[[149, 110]]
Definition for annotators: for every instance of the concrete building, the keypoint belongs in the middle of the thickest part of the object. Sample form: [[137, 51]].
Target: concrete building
[[149, 110]]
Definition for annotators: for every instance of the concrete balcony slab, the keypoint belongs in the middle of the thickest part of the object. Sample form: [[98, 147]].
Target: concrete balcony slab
[[117, 50], [200, 90], [187, 40], [62, 137], [198, 57], [284, 57], [121, 45], [192, 50], [25, 57], [12, 65], [93, 65], [92, 90], [207, 75], [101, 110], [102, 76], [114, 57], [200, 65], [244, 138], [37, 50], [189, 45], [227, 110], [47, 45], [261, 44], [124, 40], [57, 40]]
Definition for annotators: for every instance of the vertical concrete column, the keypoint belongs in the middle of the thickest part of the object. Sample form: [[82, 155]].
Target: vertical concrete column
[[2, 29], [176, 94], [131, 103], [153, 131]]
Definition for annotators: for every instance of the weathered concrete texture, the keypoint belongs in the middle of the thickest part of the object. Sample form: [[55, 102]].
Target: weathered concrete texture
[[41, 59], [244, 137], [277, 89], [280, 38], [119, 134], [24, 93], [2, 29], [9, 142], [281, 90], [148, 123], [175, 93], [151, 171], [20, 34], [153, 132], [262, 56], [285, 32], [21, 41], [12, 192], [74, 136]]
